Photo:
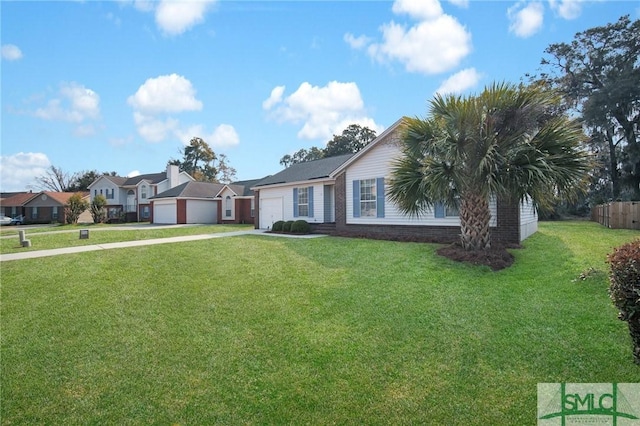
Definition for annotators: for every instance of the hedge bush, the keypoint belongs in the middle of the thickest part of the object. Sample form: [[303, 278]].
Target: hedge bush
[[287, 226], [624, 289], [300, 227], [277, 226]]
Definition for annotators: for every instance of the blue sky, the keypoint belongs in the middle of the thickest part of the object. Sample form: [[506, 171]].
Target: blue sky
[[123, 85]]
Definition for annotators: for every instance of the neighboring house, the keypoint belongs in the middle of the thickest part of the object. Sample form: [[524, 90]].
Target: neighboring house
[[350, 191], [12, 204], [47, 207], [205, 202], [301, 191], [129, 199]]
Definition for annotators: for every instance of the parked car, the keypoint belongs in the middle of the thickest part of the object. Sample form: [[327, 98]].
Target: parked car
[[5, 220], [18, 220]]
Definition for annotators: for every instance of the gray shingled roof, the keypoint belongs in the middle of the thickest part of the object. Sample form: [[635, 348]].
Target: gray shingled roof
[[152, 177], [243, 188], [309, 170], [192, 190]]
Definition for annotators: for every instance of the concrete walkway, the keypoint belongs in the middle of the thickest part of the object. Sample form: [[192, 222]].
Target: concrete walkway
[[108, 246]]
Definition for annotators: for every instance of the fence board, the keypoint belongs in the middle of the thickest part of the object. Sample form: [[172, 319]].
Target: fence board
[[618, 215]]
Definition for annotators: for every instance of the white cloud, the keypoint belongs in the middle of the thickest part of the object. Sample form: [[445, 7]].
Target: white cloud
[[567, 9], [166, 93], [18, 172], [525, 19], [356, 42], [460, 81], [435, 44], [11, 52], [322, 111], [418, 9], [158, 100], [153, 129], [75, 104], [460, 3], [223, 136], [133, 173], [274, 98], [176, 17]]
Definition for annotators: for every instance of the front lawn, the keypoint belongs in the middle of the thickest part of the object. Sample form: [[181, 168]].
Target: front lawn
[[69, 235], [264, 330]]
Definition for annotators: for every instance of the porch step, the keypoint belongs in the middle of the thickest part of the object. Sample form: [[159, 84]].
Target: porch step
[[323, 228]]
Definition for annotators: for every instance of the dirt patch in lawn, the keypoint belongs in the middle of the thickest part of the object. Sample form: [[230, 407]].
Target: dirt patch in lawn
[[497, 257]]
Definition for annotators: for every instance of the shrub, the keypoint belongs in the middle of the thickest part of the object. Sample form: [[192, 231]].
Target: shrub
[[624, 289], [300, 227], [287, 226], [277, 226]]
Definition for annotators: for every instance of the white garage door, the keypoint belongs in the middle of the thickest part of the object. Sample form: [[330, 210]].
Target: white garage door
[[270, 211], [202, 211], [165, 211]]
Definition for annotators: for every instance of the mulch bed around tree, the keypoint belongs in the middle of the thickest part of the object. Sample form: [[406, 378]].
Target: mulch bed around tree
[[497, 257]]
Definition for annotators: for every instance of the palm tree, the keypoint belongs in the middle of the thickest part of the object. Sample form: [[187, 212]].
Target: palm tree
[[503, 143]]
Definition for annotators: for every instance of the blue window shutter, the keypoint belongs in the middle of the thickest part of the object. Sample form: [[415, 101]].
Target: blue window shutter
[[439, 210], [356, 198], [380, 197], [310, 194], [295, 202]]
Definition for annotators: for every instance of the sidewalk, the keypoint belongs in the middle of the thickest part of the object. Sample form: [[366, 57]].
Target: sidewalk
[[80, 249]]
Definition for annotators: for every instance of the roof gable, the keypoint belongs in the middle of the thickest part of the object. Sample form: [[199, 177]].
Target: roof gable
[[309, 170], [380, 139]]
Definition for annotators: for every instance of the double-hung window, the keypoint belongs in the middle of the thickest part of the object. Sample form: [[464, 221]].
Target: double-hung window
[[368, 198], [303, 202]]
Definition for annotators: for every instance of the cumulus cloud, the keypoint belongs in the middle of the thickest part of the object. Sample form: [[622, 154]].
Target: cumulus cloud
[[418, 9], [174, 17], [11, 52], [74, 103], [460, 81], [223, 136], [18, 172], [166, 93], [567, 9], [435, 44], [525, 18], [322, 111], [356, 42], [156, 104]]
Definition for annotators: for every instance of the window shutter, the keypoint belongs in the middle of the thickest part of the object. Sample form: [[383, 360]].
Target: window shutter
[[380, 197], [439, 210], [310, 194], [295, 202], [356, 198]]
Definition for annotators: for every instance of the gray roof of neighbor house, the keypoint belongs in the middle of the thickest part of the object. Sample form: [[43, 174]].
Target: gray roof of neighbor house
[[151, 177], [308, 170], [192, 190], [243, 187]]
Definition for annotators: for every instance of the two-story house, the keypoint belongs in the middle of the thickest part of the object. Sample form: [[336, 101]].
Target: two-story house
[[128, 199]]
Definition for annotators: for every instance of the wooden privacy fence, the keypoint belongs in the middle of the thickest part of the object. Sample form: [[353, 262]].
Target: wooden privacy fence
[[618, 215]]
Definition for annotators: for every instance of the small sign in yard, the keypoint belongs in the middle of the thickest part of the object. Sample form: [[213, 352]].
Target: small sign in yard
[[84, 234]]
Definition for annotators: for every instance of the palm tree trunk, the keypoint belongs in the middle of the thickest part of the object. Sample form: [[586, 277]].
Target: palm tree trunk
[[474, 222]]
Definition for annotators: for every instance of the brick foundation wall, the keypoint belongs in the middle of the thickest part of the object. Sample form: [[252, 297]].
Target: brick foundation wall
[[507, 231]]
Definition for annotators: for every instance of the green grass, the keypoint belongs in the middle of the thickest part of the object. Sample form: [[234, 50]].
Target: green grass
[[265, 330], [69, 235]]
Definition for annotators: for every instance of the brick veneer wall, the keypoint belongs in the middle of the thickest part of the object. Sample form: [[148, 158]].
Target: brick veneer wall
[[256, 214], [507, 231]]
